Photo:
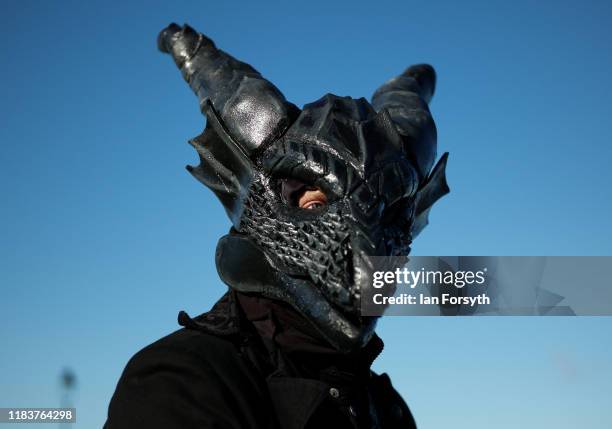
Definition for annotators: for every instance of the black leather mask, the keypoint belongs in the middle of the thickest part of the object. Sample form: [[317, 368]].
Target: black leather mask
[[373, 162]]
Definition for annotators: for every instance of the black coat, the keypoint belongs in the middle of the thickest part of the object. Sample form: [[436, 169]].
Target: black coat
[[217, 372]]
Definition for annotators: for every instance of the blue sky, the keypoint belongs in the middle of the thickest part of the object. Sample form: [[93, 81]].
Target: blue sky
[[105, 236]]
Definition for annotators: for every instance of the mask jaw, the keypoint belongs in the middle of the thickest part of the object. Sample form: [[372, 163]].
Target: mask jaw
[[236, 250]]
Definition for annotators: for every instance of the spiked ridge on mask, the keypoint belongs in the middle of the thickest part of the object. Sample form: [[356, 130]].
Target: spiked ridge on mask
[[372, 161]]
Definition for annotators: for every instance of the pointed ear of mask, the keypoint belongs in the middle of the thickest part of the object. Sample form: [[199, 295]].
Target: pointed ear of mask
[[434, 188], [223, 168]]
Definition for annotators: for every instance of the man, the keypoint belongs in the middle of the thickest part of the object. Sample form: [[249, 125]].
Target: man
[[313, 194]]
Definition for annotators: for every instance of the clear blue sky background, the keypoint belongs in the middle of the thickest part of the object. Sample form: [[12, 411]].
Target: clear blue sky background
[[105, 237]]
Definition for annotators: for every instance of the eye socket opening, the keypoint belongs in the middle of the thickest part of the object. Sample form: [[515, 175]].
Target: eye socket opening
[[301, 195], [311, 199]]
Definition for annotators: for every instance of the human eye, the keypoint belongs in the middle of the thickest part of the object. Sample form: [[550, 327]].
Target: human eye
[[300, 195]]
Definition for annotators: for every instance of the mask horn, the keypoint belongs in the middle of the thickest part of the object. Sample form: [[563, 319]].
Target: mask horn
[[406, 98], [251, 110]]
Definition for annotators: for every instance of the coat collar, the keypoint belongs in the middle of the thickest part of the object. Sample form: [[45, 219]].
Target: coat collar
[[223, 318], [295, 396]]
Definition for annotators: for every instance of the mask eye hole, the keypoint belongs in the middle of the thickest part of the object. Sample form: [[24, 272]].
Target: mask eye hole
[[301, 195], [311, 199]]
